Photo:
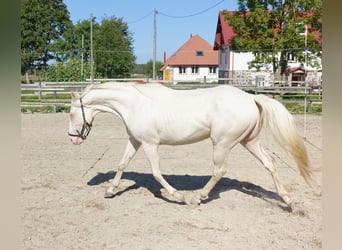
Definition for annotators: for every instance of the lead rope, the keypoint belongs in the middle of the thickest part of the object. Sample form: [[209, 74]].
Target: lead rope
[[85, 171], [316, 190], [82, 161]]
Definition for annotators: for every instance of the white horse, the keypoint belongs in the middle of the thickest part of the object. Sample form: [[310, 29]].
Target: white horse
[[157, 115]]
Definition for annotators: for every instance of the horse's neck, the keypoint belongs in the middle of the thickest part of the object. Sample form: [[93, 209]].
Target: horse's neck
[[115, 101]]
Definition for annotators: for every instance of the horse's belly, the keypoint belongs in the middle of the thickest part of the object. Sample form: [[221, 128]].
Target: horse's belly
[[183, 134]]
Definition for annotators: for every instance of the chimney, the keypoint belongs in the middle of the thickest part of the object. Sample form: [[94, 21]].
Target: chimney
[[164, 57]]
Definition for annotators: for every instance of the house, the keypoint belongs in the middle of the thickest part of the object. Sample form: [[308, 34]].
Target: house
[[233, 66], [296, 75], [194, 61]]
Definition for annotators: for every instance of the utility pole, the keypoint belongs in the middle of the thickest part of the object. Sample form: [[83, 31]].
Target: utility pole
[[91, 51], [305, 61], [82, 51], [154, 43]]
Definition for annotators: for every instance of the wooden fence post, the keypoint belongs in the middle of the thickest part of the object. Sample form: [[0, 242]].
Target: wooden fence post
[[309, 108], [40, 91]]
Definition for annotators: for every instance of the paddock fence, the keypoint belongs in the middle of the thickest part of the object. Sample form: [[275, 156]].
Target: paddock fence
[[55, 96]]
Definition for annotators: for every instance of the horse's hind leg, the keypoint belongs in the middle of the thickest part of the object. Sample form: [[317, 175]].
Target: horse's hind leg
[[131, 148], [259, 152]]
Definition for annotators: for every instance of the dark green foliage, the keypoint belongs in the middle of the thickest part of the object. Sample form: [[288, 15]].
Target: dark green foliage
[[43, 23], [51, 46], [113, 54], [69, 71], [46, 109], [149, 68]]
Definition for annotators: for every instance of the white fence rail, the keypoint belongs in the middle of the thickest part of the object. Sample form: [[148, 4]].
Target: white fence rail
[[40, 90]]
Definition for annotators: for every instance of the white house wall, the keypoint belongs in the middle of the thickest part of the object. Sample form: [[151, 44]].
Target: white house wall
[[234, 66], [238, 61], [229, 60], [203, 73]]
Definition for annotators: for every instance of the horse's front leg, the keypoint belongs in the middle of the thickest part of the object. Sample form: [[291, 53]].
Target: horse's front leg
[[220, 156], [151, 152], [131, 148]]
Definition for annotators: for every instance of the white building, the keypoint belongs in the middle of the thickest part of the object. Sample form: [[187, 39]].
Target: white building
[[194, 61], [233, 66]]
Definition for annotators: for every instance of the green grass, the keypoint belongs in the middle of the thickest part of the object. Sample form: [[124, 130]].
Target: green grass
[[35, 98], [298, 108], [45, 109], [301, 96]]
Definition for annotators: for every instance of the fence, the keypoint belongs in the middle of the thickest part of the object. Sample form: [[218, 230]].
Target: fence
[[57, 94], [49, 94]]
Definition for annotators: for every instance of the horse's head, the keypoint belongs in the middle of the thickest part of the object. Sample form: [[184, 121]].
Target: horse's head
[[80, 120]]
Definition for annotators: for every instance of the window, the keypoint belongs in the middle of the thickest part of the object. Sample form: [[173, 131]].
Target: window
[[301, 28], [194, 70], [212, 70], [199, 53], [182, 70]]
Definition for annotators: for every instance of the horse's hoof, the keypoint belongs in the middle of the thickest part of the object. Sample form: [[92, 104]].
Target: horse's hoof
[[192, 199], [204, 198], [290, 205], [109, 195], [164, 193]]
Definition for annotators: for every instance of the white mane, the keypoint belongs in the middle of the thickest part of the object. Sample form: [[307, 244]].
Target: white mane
[[107, 85]]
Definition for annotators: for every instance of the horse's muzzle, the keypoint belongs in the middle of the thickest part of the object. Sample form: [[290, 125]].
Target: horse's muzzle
[[76, 140]]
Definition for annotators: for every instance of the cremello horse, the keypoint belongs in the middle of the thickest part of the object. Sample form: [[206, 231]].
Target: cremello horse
[[155, 115]]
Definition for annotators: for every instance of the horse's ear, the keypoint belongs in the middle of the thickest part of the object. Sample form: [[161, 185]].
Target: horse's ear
[[74, 95]]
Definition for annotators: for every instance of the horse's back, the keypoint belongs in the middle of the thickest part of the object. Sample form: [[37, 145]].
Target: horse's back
[[154, 91], [157, 91], [218, 99]]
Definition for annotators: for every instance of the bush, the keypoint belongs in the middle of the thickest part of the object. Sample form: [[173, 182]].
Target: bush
[[46, 109]]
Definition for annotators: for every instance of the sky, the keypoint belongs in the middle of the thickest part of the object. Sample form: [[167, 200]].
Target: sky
[[176, 21]]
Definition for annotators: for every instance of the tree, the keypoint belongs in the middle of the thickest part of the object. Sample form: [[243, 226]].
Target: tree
[[277, 27], [43, 23], [113, 50], [149, 68], [76, 47], [70, 71]]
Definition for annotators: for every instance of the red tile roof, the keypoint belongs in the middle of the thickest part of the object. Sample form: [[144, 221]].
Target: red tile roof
[[187, 55], [224, 32]]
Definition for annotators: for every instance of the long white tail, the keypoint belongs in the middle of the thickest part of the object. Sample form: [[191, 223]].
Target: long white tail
[[281, 123]]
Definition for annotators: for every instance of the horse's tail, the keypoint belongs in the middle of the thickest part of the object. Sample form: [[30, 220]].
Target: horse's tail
[[283, 128]]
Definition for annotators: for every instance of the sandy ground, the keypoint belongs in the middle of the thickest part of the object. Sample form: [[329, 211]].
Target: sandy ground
[[63, 187]]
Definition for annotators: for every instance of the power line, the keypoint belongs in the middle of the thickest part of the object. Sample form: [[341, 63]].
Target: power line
[[141, 18], [194, 14], [173, 16], [78, 51]]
